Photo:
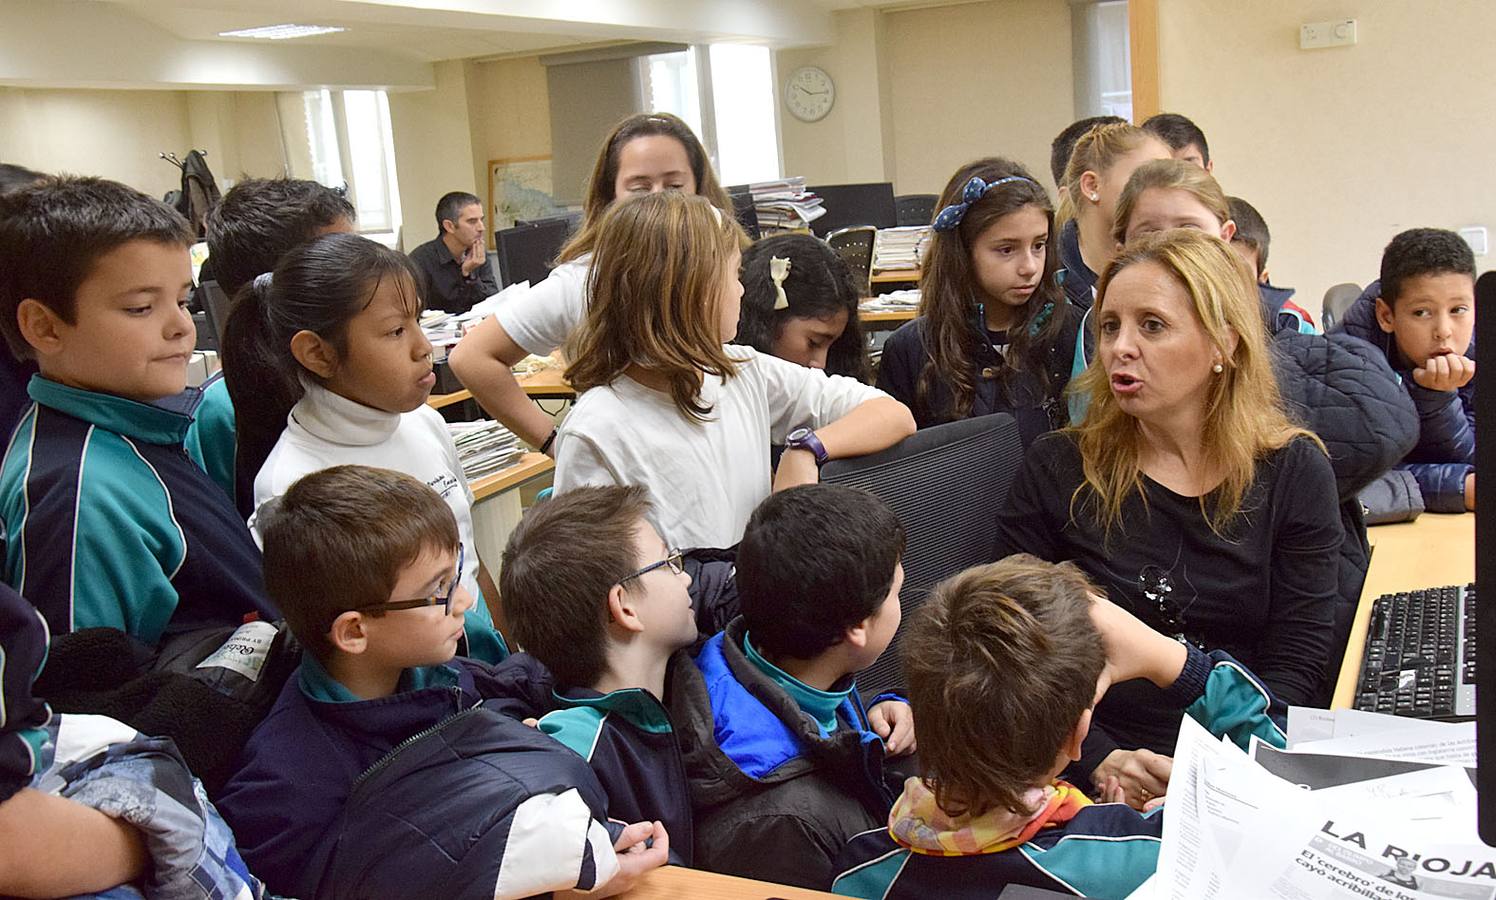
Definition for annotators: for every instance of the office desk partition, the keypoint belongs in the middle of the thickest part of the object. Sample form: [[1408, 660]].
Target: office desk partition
[[1431, 551]]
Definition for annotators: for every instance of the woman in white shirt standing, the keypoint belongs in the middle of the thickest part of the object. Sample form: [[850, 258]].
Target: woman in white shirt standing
[[644, 154], [664, 403]]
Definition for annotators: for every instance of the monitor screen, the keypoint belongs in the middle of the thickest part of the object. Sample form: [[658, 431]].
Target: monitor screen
[[527, 252], [1485, 563], [854, 204]]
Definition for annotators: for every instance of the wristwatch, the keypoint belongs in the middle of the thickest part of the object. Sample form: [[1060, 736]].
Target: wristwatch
[[805, 439]]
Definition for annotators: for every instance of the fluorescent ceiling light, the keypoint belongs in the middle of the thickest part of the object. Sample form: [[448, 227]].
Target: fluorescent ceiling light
[[282, 32]]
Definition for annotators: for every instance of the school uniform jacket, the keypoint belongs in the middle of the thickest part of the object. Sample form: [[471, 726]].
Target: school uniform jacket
[[211, 439], [1445, 452], [1105, 850], [111, 524], [774, 798], [430, 792], [23, 715], [627, 738]]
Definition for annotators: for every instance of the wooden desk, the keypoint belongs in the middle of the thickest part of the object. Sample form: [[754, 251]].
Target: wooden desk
[[880, 316], [531, 465], [677, 883], [547, 384], [895, 276], [1431, 551]]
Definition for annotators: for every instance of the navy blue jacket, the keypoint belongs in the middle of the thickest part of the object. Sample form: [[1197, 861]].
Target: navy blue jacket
[[310, 824], [1038, 406], [1445, 452], [23, 649], [627, 738], [774, 799]]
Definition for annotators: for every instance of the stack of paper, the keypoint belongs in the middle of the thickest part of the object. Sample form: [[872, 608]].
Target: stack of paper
[[785, 204], [906, 299], [896, 249], [484, 447], [1363, 805]]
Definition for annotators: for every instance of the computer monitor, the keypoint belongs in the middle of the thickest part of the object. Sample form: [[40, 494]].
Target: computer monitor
[[746, 212], [1485, 563], [854, 204], [527, 252]]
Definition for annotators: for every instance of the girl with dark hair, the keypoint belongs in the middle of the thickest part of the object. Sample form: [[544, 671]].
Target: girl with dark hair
[[800, 304], [995, 333], [645, 154], [327, 355]]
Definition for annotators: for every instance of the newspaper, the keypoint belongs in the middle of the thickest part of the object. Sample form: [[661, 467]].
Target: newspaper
[[1287, 824]]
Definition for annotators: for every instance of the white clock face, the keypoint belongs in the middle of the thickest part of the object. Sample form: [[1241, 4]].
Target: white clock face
[[809, 93]]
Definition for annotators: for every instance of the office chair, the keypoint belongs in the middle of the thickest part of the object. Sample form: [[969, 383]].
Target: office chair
[[915, 209], [855, 246], [1338, 299], [945, 484], [216, 305]]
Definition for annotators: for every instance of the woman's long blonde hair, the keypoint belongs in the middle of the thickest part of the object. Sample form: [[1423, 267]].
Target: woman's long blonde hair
[[1244, 414], [1169, 175], [1096, 151], [655, 284], [601, 186]]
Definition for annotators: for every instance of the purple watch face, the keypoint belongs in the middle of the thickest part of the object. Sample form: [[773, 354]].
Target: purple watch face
[[805, 439]]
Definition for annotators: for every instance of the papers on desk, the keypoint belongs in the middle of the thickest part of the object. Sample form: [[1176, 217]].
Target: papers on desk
[[484, 447], [900, 249], [785, 204], [1346, 816]]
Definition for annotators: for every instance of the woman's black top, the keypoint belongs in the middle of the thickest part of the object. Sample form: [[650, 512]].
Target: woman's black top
[[1264, 591]]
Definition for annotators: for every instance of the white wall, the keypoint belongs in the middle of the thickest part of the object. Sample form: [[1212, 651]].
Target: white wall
[[433, 149], [1340, 148]]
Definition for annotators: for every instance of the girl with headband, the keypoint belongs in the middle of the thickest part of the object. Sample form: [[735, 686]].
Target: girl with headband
[[995, 333]]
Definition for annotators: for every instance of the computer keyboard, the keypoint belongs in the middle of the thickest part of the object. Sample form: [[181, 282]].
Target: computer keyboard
[[1420, 654]]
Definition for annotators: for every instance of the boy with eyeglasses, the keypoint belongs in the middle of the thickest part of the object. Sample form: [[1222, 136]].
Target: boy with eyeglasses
[[592, 592], [380, 771]]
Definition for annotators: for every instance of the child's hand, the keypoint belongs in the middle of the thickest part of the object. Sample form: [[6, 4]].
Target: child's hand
[[1449, 372], [1133, 650], [893, 721], [634, 858]]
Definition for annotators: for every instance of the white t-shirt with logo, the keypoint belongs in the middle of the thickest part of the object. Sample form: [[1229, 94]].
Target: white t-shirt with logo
[[704, 477]]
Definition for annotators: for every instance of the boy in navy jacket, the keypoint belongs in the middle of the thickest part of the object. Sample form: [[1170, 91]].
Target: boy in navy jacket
[[379, 772], [110, 523], [1004, 662], [1421, 313], [785, 762], [593, 594]]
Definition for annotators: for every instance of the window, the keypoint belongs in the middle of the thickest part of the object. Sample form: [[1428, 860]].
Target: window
[[1102, 58], [735, 119], [343, 139]]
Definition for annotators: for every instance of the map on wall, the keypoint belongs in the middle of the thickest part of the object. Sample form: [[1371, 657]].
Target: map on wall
[[519, 188]]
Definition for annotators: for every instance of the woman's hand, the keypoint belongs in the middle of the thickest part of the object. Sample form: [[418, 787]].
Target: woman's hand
[[1140, 776]]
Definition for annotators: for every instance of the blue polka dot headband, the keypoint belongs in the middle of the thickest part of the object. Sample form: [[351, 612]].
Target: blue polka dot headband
[[975, 190]]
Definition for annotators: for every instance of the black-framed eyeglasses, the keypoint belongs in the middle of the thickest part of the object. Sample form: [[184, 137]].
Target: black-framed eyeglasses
[[675, 561], [442, 600]]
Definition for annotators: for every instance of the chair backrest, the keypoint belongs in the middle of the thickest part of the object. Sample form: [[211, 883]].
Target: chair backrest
[[526, 251], [945, 484], [854, 204], [855, 245], [915, 209], [216, 304], [1338, 299]]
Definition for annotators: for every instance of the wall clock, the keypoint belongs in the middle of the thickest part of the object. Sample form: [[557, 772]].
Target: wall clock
[[809, 93]]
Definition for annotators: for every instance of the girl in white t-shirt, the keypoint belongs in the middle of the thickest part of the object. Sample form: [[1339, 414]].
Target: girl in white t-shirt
[[644, 154], [333, 343], [664, 403]]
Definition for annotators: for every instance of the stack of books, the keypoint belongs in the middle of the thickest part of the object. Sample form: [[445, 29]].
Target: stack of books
[[484, 447], [899, 249], [785, 205]]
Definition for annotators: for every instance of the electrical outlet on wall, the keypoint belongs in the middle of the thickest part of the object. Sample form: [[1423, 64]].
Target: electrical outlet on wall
[[1475, 236], [1318, 35]]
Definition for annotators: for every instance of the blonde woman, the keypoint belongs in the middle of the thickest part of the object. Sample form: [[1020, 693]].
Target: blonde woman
[[664, 404], [1102, 161], [1187, 492], [645, 153]]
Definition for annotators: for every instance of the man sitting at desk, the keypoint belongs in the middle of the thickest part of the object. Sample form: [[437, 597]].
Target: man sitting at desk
[[455, 263]]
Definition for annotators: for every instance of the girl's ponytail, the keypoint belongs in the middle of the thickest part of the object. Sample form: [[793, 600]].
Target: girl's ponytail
[[261, 386]]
